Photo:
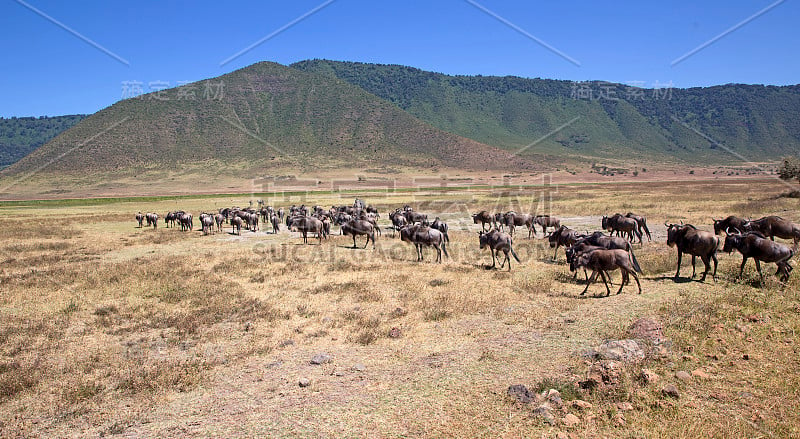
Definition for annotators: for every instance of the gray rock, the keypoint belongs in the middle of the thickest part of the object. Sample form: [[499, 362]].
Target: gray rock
[[358, 367], [683, 375], [304, 382], [571, 420], [546, 413], [554, 398], [627, 350], [520, 393], [649, 377], [671, 391], [581, 404], [321, 358]]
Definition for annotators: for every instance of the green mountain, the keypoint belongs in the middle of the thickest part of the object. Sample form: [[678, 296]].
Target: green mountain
[[21, 135], [590, 119], [264, 116]]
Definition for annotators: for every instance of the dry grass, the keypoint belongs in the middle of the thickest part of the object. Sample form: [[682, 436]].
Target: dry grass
[[110, 329]]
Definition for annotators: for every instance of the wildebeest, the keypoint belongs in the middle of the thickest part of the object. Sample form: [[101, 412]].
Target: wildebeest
[[687, 239], [170, 219], [306, 225], [499, 222], [252, 221], [621, 224], [547, 221], [415, 217], [562, 236], [236, 225], [420, 236], [601, 261], [139, 219], [513, 219], [442, 227], [732, 222], [185, 221], [152, 219], [359, 227], [483, 217], [398, 220], [755, 245], [219, 219], [641, 223], [207, 222], [498, 241], [275, 223], [772, 226], [610, 243]]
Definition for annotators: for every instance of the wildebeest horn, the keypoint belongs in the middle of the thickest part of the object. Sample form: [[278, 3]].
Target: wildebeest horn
[[681, 222], [666, 225]]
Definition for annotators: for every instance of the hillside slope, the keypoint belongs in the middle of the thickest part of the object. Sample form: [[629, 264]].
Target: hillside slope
[[21, 135], [602, 119], [262, 116]]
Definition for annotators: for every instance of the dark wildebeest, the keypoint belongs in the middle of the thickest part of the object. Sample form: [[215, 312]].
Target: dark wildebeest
[[687, 239], [219, 219], [415, 217], [398, 220], [152, 219], [420, 235], [563, 236], [236, 225], [207, 221], [359, 227], [610, 243], [499, 221], [547, 221], [641, 222], [498, 241], [139, 219], [281, 213], [185, 221], [483, 217], [601, 261], [621, 224], [513, 219], [170, 219], [442, 227], [275, 223], [306, 225], [732, 222], [772, 226], [757, 246], [252, 221]]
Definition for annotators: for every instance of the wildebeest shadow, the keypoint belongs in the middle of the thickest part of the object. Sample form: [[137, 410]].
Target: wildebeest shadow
[[679, 280]]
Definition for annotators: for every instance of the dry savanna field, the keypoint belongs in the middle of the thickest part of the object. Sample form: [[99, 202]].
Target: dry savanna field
[[107, 329]]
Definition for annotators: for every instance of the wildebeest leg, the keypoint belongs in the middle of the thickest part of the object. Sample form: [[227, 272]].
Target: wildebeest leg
[[636, 278], [707, 264], [555, 253], [494, 263], [589, 281], [608, 290], [354, 240], [714, 258], [758, 267], [680, 256], [625, 279], [694, 271], [741, 269]]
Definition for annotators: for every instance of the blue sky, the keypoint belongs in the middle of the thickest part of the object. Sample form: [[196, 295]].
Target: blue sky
[[47, 70]]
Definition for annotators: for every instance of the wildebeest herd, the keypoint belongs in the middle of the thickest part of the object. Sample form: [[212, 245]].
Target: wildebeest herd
[[596, 252]]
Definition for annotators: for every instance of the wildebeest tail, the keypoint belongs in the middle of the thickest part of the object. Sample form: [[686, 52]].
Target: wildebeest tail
[[444, 248], [633, 260], [646, 230], [513, 253]]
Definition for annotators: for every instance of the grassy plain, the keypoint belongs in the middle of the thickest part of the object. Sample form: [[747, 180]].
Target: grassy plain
[[107, 329]]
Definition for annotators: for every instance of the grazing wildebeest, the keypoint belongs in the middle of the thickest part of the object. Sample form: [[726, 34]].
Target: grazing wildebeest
[[483, 217], [219, 219], [687, 239], [398, 220], [498, 241], [306, 225], [620, 224], [236, 225], [420, 235], [170, 219], [601, 261], [139, 219], [275, 223], [415, 217], [513, 219], [186, 221], [442, 227], [152, 220], [547, 221], [772, 226], [563, 236], [732, 222], [641, 223], [757, 246], [359, 227]]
